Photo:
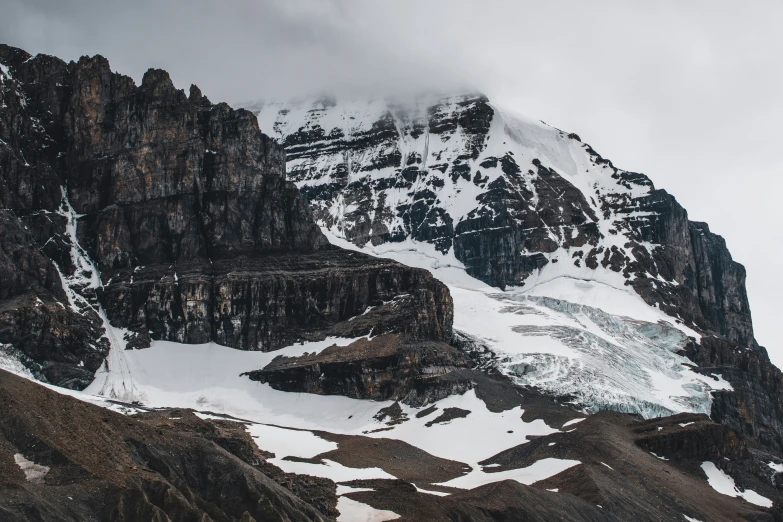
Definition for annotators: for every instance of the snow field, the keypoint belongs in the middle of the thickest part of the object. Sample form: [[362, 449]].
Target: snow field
[[595, 339]]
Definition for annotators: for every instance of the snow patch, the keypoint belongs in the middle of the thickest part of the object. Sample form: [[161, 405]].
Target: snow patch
[[342, 489], [431, 492], [33, 472], [117, 384], [539, 470], [353, 511], [207, 377], [724, 484], [330, 470], [289, 443], [9, 361]]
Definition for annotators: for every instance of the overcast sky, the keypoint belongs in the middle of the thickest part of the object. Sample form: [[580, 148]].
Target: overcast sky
[[690, 93]]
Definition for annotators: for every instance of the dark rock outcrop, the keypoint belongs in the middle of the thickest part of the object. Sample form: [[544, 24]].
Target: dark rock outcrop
[[755, 405], [702, 283], [503, 240], [267, 302], [388, 367], [163, 177], [692, 437]]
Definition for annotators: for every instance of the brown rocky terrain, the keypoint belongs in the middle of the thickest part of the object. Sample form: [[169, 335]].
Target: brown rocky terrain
[[171, 465], [618, 478], [106, 466]]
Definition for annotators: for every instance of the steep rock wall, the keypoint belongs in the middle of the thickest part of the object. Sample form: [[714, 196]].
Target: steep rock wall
[[174, 216]]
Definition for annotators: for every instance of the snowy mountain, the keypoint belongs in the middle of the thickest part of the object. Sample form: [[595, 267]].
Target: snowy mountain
[[605, 278], [474, 317], [508, 198]]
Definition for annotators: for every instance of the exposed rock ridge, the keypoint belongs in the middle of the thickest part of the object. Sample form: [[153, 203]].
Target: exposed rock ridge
[[267, 302], [107, 466]]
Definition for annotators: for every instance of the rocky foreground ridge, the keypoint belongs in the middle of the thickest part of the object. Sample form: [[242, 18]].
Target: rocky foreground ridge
[[83, 462]]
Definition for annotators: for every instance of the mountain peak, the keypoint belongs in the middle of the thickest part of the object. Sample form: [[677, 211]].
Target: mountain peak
[[522, 206]]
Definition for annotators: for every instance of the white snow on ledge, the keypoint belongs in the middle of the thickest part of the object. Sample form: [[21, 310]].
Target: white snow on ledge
[[353, 511], [207, 378], [724, 484], [539, 470], [33, 472]]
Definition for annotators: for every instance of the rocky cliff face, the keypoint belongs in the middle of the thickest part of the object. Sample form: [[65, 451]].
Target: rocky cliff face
[[755, 406], [162, 177], [39, 324], [56, 341], [168, 215], [265, 303]]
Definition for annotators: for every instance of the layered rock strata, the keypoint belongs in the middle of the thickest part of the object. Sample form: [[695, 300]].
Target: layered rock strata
[[165, 214]]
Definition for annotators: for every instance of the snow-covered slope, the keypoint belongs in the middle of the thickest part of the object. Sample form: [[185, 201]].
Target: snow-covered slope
[[487, 201], [599, 344]]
